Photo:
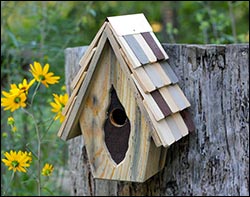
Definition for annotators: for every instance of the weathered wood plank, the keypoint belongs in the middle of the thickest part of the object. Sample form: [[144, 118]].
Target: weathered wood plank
[[156, 138], [151, 42], [73, 94], [144, 80], [60, 132], [161, 103], [126, 60], [78, 78]]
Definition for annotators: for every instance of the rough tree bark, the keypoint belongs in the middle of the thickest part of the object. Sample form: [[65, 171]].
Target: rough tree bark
[[214, 160]]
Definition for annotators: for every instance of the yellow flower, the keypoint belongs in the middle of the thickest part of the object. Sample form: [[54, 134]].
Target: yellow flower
[[29, 155], [58, 105], [42, 75], [11, 120], [156, 26], [14, 99], [25, 86], [47, 169], [14, 129], [16, 161], [63, 88], [5, 134]]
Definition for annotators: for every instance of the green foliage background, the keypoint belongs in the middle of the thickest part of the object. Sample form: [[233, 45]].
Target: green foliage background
[[40, 31]]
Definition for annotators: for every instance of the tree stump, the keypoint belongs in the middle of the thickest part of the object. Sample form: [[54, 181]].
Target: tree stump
[[213, 160]]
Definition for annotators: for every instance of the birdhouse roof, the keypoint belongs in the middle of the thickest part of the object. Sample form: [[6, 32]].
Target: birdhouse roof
[[140, 53]]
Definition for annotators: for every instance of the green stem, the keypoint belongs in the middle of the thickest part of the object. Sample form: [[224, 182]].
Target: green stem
[[8, 186], [31, 175], [33, 96], [38, 152]]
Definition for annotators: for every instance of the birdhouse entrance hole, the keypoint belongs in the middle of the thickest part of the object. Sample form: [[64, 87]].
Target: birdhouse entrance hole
[[118, 117], [116, 128]]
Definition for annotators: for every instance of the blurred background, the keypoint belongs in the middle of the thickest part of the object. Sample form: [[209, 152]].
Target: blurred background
[[40, 31]]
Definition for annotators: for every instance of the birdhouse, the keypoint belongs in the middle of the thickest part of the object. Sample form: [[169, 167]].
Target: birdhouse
[[126, 102]]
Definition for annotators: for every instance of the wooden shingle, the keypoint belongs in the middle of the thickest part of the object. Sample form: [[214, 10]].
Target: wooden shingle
[[153, 45], [137, 49], [157, 75]]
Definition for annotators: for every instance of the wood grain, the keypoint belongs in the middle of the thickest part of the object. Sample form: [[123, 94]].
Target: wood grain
[[144, 80], [67, 115], [73, 95], [137, 49], [147, 50]]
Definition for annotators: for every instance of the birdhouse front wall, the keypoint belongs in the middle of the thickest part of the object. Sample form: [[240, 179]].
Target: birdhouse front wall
[[142, 158]]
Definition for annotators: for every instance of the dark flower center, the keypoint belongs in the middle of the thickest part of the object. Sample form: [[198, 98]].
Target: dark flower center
[[41, 77], [15, 164], [17, 99], [47, 172]]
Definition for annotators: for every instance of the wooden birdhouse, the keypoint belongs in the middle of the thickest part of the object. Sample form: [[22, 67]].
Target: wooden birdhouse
[[126, 102]]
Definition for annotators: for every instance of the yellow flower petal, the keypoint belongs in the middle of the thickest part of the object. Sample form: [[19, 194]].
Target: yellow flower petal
[[43, 75], [57, 106], [45, 69], [16, 161]]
